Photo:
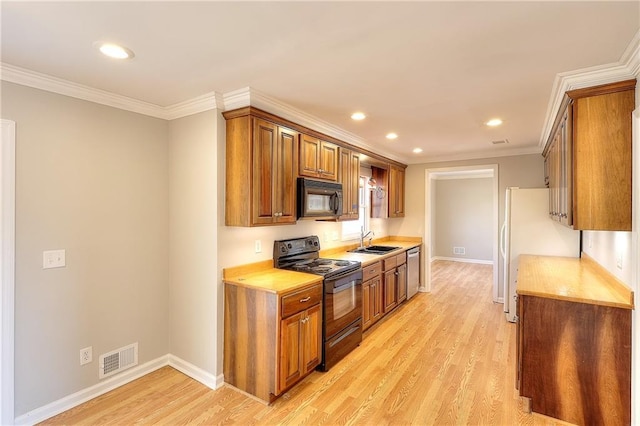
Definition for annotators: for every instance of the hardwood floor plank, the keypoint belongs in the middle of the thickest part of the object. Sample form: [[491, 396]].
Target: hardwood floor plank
[[447, 357]]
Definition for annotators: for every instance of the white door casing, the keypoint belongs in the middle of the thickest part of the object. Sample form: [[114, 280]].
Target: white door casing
[[7, 271]]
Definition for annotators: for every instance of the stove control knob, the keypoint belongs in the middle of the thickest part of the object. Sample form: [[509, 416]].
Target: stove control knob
[[289, 246], [283, 249]]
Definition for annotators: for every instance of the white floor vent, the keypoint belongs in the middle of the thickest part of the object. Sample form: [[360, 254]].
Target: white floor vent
[[118, 360]]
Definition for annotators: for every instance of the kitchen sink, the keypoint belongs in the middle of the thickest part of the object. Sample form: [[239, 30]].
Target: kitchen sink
[[374, 249]]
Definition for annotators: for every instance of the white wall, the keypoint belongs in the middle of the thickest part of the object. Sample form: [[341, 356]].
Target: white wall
[[610, 249], [193, 209], [464, 218], [92, 180], [525, 171]]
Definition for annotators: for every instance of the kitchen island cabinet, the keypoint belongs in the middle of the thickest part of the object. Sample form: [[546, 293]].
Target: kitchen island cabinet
[[574, 340], [273, 331]]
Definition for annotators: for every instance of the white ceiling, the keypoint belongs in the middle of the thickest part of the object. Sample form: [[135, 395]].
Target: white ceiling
[[433, 72]]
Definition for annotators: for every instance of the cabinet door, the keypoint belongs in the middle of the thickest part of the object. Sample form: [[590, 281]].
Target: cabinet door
[[264, 165], [328, 161], [309, 156], [396, 192], [367, 304], [312, 338], [390, 291], [349, 176], [274, 173], [285, 175], [402, 282], [291, 355], [377, 292], [354, 183]]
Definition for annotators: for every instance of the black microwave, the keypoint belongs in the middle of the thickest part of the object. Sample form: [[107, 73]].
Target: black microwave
[[319, 199]]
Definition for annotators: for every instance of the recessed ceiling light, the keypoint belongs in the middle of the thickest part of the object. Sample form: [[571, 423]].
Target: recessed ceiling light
[[417, 150], [358, 116], [392, 136], [494, 122], [113, 50]]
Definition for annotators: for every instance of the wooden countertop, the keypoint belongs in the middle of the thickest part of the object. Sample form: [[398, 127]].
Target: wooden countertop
[[263, 275], [572, 279], [275, 280]]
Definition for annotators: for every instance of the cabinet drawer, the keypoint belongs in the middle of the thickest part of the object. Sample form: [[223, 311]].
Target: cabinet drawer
[[371, 271], [301, 300], [390, 263], [401, 258]]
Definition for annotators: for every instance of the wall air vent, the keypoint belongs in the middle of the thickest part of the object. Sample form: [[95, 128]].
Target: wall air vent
[[500, 142], [118, 360]]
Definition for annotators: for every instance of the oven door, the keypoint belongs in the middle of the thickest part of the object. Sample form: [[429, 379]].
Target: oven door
[[342, 302]]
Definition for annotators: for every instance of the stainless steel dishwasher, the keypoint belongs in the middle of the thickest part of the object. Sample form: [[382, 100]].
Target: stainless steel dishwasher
[[413, 271]]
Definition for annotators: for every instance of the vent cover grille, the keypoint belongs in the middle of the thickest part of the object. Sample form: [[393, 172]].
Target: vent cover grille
[[118, 360], [500, 142]]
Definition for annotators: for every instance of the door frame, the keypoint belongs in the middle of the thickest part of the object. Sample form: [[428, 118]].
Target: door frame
[[7, 270], [462, 171]]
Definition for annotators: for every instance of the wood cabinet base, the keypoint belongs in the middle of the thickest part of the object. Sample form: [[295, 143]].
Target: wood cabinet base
[[574, 360]]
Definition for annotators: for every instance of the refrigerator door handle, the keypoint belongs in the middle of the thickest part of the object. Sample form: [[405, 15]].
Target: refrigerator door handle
[[502, 241]]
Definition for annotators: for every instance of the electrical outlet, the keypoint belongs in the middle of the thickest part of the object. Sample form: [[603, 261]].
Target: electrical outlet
[[86, 355], [258, 246], [53, 259], [619, 260], [334, 235]]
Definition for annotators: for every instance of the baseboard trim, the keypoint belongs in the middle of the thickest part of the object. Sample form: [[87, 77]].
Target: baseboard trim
[[459, 259], [196, 373], [68, 402], [75, 399]]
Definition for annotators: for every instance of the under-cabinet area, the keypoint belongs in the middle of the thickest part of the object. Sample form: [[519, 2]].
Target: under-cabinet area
[[574, 340], [265, 156], [282, 321]]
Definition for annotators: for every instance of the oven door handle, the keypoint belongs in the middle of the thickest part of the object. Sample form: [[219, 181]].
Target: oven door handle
[[344, 336], [343, 287]]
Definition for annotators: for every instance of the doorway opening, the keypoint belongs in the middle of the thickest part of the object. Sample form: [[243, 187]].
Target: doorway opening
[[432, 176]]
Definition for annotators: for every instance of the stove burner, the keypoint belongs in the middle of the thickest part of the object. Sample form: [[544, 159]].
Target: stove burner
[[321, 269], [324, 262], [342, 263]]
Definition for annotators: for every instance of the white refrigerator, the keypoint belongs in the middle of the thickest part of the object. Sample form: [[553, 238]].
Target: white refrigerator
[[527, 229]]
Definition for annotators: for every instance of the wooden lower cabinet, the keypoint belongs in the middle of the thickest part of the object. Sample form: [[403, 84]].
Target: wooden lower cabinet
[[574, 360], [395, 281], [372, 294], [300, 345], [271, 340], [401, 278]]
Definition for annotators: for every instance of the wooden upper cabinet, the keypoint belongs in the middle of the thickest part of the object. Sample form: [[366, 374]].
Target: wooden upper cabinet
[[396, 191], [588, 158], [261, 162], [318, 158], [350, 178]]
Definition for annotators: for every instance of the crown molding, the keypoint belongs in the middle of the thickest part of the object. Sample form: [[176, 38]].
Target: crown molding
[[477, 155], [627, 68], [248, 96], [49, 83]]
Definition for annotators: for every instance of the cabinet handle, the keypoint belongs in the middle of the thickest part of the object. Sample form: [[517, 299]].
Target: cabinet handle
[[306, 299], [304, 320]]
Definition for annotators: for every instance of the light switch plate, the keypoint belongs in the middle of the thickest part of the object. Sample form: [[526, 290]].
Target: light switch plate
[[53, 259]]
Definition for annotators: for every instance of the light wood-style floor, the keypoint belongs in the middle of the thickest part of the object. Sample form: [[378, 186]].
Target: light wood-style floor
[[444, 358]]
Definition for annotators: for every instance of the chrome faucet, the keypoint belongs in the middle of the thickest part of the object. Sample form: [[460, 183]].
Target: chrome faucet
[[364, 235]]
